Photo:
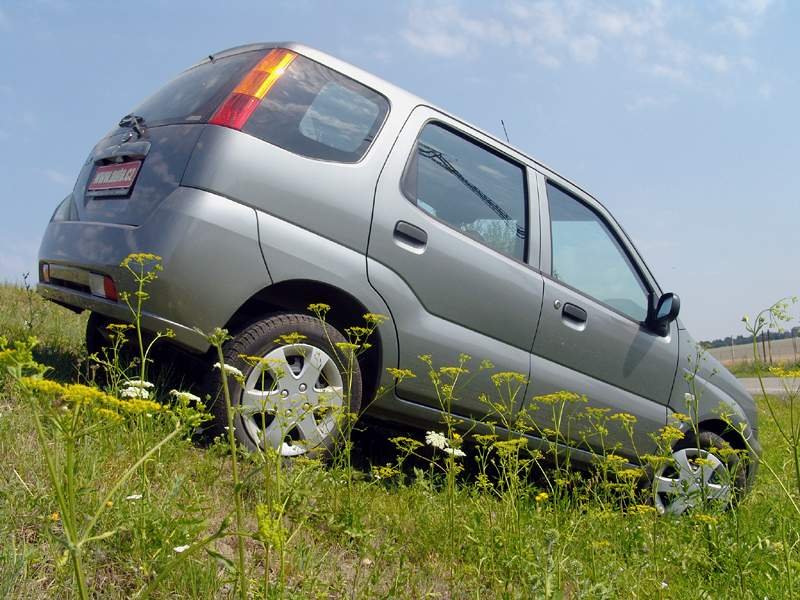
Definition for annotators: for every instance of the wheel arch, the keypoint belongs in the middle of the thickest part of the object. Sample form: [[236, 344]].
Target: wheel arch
[[294, 296]]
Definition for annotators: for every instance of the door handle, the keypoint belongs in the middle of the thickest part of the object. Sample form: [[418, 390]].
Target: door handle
[[410, 234], [574, 313]]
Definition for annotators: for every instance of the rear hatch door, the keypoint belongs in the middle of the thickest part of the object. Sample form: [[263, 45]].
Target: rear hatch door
[[142, 160]]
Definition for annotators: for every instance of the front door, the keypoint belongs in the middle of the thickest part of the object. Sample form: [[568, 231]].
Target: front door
[[593, 339], [455, 228]]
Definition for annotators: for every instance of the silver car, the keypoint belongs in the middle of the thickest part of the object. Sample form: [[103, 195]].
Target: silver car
[[273, 176]]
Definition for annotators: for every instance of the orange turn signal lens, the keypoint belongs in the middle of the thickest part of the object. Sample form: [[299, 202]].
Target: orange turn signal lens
[[246, 97]]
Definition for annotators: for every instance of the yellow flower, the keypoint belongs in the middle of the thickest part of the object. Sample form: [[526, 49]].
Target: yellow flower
[[558, 397], [642, 509], [705, 519], [110, 503], [400, 373], [55, 517], [319, 308], [542, 496], [291, 338], [375, 319], [669, 434], [508, 377], [785, 373], [625, 418]]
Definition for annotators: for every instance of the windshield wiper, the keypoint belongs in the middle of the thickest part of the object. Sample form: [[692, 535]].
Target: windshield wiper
[[134, 121]]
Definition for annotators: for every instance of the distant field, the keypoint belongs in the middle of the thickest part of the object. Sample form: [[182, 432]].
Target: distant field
[[782, 351]]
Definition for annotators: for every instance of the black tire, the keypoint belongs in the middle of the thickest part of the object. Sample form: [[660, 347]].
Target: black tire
[[261, 338]]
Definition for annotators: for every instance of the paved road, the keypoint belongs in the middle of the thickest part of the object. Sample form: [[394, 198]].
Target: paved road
[[773, 385]]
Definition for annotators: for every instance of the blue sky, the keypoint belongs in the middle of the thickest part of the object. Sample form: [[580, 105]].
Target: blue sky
[[681, 117]]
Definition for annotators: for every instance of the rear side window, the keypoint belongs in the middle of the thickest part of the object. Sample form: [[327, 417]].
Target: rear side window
[[194, 95], [469, 187], [319, 113]]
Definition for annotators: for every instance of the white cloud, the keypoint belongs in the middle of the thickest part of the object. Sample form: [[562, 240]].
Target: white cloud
[[655, 37], [17, 256], [668, 72], [716, 62], [584, 49], [58, 177], [640, 103]]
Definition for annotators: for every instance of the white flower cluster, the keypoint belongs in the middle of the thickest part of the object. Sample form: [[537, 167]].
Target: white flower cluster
[[440, 441], [136, 388], [230, 370], [184, 396]]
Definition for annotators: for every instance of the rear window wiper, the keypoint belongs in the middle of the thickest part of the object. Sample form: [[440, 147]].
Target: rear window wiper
[[134, 121]]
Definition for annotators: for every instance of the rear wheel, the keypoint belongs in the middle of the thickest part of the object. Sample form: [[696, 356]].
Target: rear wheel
[[703, 472], [297, 389]]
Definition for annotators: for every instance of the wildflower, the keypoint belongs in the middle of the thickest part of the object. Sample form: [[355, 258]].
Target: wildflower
[[400, 374], [630, 473], [366, 562], [375, 319], [508, 377], [688, 398], [180, 549], [457, 452], [134, 392], [229, 370], [109, 504], [134, 497], [291, 338], [705, 518], [598, 544], [347, 346], [437, 440], [138, 383], [559, 397], [55, 517], [669, 434], [681, 417], [785, 373], [485, 439], [642, 509], [140, 258], [184, 396], [453, 372], [626, 419], [405, 444], [542, 496], [319, 308], [384, 472]]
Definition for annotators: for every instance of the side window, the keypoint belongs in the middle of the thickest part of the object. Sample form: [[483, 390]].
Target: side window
[[470, 188], [317, 112], [588, 257]]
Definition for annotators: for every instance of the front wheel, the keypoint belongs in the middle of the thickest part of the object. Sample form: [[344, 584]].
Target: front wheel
[[299, 385], [703, 471]]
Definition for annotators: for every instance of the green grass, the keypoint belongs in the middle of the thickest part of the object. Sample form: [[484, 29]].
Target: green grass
[[751, 368], [388, 539]]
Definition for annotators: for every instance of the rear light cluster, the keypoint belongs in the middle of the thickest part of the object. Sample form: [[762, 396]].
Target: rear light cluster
[[243, 100], [102, 286]]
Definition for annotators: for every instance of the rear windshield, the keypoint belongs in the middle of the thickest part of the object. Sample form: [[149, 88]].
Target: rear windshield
[[317, 112], [194, 95]]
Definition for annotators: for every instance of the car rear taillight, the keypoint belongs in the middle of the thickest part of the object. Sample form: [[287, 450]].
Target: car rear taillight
[[243, 100], [45, 273], [103, 286]]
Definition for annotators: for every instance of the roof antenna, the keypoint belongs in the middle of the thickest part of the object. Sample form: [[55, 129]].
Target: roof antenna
[[504, 130]]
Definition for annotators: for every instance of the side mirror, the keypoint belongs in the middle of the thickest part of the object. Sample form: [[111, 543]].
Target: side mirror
[[666, 311]]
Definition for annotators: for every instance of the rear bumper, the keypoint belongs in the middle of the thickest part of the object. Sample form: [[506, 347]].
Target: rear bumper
[[211, 258]]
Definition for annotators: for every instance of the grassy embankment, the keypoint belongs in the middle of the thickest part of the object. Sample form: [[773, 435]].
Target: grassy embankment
[[361, 533]]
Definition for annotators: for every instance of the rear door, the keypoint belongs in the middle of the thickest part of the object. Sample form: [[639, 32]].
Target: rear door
[[593, 339], [454, 251]]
